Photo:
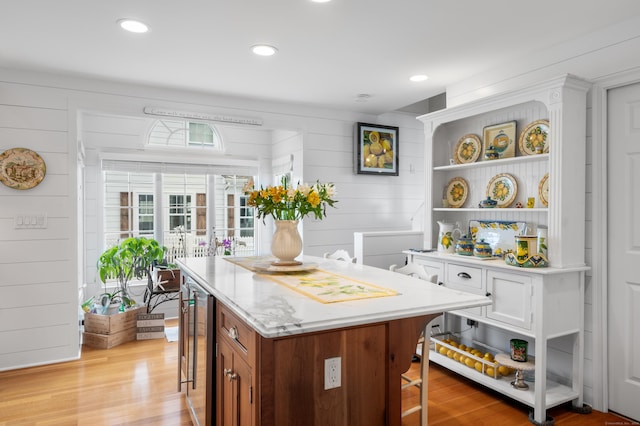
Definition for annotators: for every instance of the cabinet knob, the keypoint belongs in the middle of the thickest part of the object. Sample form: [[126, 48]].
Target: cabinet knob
[[440, 283], [464, 275], [233, 333], [230, 374], [488, 294]]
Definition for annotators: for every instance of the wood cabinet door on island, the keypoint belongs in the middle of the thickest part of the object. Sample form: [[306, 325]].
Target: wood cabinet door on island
[[236, 363], [235, 390]]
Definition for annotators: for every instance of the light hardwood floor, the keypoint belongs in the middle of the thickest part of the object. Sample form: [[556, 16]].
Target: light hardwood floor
[[135, 384]]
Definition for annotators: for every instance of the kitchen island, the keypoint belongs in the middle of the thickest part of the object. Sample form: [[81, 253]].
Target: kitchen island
[[287, 356]]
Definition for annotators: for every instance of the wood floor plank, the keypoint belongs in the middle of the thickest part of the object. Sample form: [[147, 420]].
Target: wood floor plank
[[135, 384]]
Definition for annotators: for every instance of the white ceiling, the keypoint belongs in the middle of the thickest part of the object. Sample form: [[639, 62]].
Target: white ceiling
[[328, 53]]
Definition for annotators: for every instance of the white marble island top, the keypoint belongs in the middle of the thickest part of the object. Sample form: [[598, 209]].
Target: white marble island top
[[274, 310]]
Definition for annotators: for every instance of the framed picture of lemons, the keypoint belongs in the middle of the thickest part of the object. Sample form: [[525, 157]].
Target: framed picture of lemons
[[501, 139], [376, 151]]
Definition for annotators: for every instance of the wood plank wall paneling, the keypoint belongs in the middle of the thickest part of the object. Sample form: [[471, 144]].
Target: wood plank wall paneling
[[33, 118], [50, 141], [38, 311]]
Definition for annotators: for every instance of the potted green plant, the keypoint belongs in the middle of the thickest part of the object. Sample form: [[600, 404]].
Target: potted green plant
[[132, 258]]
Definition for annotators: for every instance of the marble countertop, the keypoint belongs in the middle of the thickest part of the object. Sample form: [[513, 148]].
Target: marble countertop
[[274, 310]]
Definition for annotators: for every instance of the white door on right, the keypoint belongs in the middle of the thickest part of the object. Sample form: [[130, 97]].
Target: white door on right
[[623, 180]]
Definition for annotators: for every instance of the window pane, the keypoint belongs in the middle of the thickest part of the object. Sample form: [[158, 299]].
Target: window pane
[[200, 134], [128, 205], [180, 211], [145, 214], [182, 133]]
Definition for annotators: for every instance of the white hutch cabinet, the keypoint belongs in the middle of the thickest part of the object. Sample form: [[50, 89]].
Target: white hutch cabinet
[[538, 303]]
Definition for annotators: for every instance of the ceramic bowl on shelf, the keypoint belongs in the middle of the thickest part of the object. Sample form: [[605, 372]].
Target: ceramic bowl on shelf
[[487, 203], [482, 249], [464, 246]]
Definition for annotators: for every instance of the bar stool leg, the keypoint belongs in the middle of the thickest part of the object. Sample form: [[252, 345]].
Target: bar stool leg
[[424, 375]]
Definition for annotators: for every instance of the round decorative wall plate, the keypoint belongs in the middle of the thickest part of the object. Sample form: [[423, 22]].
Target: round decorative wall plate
[[468, 149], [543, 190], [457, 191], [21, 168], [503, 188], [534, 139]]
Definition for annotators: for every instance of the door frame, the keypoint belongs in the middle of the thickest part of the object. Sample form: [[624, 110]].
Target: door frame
[[599, 248]]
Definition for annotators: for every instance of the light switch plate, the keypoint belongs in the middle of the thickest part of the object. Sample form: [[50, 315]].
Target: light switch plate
[[30, 221]]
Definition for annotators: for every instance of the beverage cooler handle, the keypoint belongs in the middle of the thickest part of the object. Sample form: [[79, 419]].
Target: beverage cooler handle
[[195, 340], [184, 309]]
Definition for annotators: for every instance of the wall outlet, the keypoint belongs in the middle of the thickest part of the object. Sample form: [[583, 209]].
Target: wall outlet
[[472, 323], [332, 373]]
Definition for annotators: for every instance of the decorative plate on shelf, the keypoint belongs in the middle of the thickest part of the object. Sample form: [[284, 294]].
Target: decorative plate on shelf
[[543, 190], [457, 191], [503, 188], [534, 139], [499, 234], [468, 149], [21, 168]]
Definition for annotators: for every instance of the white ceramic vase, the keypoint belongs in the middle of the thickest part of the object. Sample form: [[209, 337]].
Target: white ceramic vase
[[287, 243]]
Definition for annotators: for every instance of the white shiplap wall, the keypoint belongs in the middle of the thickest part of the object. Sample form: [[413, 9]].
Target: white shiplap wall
[[366, 202], [38, 302]]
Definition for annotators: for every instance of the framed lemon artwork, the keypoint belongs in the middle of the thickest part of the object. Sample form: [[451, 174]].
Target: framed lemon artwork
[[376, 151]]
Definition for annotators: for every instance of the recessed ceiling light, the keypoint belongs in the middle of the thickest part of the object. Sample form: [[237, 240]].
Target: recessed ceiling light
[[419, 77], [263, 50], [133, 26], [321, 1]]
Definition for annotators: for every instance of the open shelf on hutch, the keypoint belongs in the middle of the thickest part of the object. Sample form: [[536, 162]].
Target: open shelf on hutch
[[556, 393], [492, 163]]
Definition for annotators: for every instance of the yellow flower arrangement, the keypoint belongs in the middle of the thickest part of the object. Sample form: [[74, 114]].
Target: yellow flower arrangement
[[283, 202]]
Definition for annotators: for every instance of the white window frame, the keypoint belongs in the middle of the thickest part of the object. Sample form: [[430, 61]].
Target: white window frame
[[163, 134]]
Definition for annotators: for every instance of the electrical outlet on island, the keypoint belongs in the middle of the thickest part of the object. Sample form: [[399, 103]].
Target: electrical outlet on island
[[332, 373]]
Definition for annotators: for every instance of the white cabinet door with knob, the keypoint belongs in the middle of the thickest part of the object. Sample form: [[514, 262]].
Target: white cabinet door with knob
[[511, 298]]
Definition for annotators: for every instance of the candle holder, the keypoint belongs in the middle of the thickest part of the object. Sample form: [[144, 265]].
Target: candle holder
[[519, 366]]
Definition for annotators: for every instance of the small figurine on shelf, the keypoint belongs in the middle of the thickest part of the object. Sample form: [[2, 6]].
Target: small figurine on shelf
[[519, 205]]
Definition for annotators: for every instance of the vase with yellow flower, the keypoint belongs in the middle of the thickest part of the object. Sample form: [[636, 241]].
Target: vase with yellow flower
[[288, 205]]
